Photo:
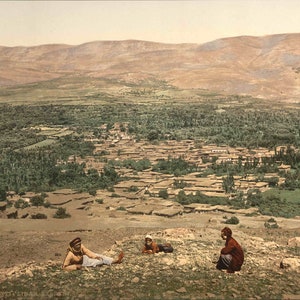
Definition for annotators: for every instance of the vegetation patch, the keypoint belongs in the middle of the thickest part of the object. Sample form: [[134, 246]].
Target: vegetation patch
[[48, 146]]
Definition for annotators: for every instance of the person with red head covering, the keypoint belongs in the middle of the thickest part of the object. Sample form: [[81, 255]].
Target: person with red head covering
[[79, 256], [232, 255]]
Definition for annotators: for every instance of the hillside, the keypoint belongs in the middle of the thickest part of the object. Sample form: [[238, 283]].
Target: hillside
[[270, 270], [34, 250], [267, 66]]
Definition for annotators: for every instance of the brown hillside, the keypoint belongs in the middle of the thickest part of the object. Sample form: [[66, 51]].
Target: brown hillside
[[266, 66]]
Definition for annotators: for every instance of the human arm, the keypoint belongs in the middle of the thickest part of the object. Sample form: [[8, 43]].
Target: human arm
[[153, 249], [70, 264], [145, 250], [229, 247], [90, 253]]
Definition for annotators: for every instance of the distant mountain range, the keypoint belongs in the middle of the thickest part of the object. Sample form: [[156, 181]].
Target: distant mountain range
[[267, 66]]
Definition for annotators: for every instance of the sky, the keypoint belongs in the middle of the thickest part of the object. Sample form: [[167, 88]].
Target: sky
[[30, 23]]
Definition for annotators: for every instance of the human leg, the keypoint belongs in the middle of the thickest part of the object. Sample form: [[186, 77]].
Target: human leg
[[119, 258], [92, 262], [224, 261]]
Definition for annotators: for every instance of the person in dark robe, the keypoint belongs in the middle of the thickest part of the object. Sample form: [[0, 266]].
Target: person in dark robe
[[232, 255]]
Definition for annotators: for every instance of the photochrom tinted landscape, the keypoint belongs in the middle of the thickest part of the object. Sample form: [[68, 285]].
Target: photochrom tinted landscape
[[113, 140]]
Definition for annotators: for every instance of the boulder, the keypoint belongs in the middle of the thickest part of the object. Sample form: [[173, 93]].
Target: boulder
[[294, 242], [292, 263]]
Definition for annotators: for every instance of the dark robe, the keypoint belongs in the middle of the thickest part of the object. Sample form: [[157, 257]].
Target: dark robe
[[233, 248]]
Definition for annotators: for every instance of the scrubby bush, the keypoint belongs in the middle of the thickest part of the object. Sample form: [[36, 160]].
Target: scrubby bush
[[21, 203], [37, 200], [44, 195], [47, 204], [61, 213], [179, 184], [271, 223], [121, 208], [39, 216], [232, 220], [93, 192], [163, 194], [115, 195], [103, 152], [133, 188]]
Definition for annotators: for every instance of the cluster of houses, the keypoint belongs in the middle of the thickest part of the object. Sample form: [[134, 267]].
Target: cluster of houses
[[119, 146], [147, 184]]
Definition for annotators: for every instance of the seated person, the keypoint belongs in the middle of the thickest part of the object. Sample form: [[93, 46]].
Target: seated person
[[232, 255], [151, 247], [79, 256]]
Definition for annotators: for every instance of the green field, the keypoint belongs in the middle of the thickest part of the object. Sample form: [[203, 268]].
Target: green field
[[41, 144], [292, 197]]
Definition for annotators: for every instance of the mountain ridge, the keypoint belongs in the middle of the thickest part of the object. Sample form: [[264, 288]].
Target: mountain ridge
[[266, 67]]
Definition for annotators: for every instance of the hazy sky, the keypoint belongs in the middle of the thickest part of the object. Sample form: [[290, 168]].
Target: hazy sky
[[28, 23]]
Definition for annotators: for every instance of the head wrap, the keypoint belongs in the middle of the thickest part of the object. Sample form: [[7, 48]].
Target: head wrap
[[148, 236], [75, 241], [227, 231]]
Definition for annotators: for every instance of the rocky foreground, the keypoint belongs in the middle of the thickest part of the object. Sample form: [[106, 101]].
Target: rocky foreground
[[271, 270]]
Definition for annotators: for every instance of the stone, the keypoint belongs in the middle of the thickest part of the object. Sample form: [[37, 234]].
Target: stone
[[135, 280], [29, 273], [294, 242], [181, 290], [292, 263]]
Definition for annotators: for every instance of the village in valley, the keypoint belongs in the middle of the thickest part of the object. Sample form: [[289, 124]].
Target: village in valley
[[147, 184], [119, 146], [138, 192]]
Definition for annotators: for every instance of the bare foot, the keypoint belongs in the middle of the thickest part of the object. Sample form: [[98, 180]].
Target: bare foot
[[120, 257]]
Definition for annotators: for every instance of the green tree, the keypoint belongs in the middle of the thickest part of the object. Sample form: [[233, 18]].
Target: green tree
[[93, 192], [37, 200], [153, 135], [61, 213], [2, 195], [228, 183], [163, 194]]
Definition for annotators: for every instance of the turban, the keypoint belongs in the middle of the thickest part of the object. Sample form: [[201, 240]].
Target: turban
[[227, 231], [148, 236], [75, 241]]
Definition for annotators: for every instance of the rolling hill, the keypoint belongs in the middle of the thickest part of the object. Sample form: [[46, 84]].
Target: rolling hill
[[265, 67]]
